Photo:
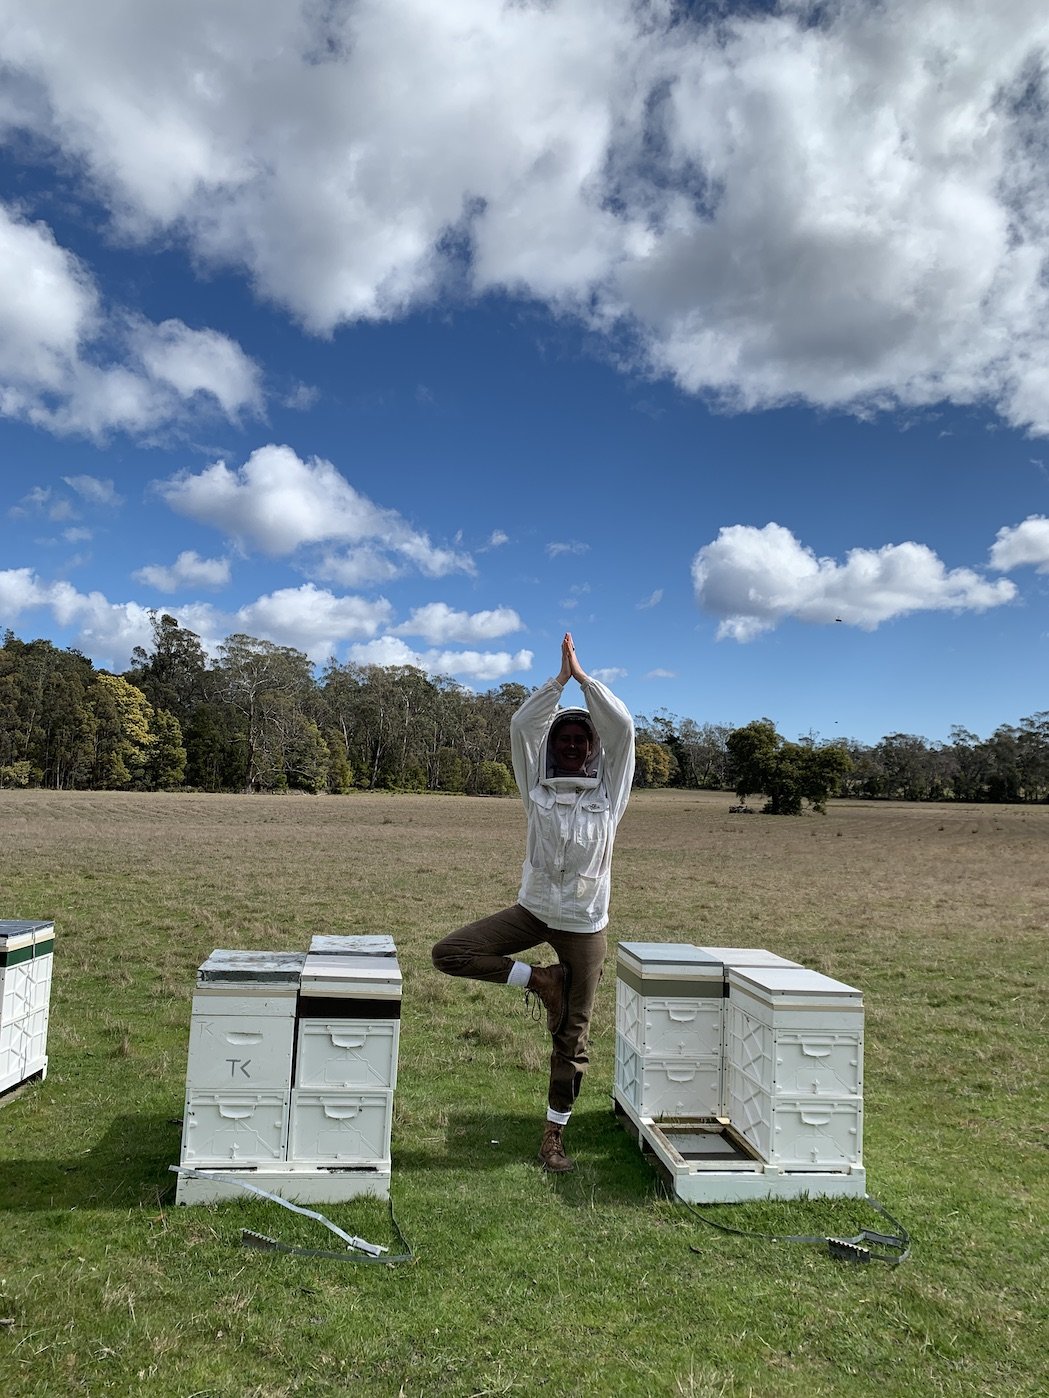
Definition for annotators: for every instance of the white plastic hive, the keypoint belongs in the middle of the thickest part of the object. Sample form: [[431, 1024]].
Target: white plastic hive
[[26, 959], [340, 1128], [347, 1053]]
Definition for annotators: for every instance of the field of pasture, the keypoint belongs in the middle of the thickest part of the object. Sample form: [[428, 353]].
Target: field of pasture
[[590, 1284]]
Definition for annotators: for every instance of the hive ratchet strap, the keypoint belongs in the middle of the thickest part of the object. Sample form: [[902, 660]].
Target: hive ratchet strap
[[865, 1246], [374, 1252]]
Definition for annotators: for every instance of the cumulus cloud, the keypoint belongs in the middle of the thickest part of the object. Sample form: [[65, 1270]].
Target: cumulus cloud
[[1023, 544], [755, 578], [278, 503], [484, 666], [610, 674], [653, 600], [308, 618], [440, 624], [571, 546], [842, 203], [312, 619], [188, 570], [69, 365], [106, 631]]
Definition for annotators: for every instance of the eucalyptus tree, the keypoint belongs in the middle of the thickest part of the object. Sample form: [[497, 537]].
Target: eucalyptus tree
[[268, 686]]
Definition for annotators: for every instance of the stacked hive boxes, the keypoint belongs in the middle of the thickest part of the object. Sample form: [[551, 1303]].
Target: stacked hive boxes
[[26, 958], [740, 1042], [292, 1069], [794, 1066], [668, 1029]]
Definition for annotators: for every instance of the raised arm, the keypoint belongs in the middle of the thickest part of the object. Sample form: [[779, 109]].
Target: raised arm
[[611, 719]]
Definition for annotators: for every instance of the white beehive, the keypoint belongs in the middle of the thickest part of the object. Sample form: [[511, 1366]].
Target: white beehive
[[239, 1069], [668, 1027], [741, 1071], [230, 1128], [347, 1053], [292, 1067], [26, 958], [794, 1065]]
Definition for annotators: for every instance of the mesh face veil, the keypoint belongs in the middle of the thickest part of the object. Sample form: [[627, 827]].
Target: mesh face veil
[[589, 774]]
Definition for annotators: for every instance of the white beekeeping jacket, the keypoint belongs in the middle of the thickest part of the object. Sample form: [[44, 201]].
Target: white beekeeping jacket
[[566, 878]]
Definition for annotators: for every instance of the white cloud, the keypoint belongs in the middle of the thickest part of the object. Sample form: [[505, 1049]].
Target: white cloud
[[439, 624], [1026, 543], [279, 503], [653, 600], [94, 491], [841, 203], [498, 539], [610, 674], [70, 366], [572, 546], [198, 361], [307, 618], [484, 666], [755, 578], [312, 619], [658, 674], [188, 570], [106, 631]]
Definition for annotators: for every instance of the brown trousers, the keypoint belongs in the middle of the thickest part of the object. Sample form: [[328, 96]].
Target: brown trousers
[[484, 951]]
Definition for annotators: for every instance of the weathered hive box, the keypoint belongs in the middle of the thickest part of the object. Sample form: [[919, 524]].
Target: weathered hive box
[[26, 959], [238, 1075], [242, 1029], [794, 1066], [293, 1063], [347, 1048]]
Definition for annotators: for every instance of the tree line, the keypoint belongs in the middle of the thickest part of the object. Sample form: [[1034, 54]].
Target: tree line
[[259, 717]]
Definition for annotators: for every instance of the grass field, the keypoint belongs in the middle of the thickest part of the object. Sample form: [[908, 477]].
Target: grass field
[[523, 1283]]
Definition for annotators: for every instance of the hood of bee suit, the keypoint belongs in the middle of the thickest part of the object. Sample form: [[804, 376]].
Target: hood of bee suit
[[590, 775]]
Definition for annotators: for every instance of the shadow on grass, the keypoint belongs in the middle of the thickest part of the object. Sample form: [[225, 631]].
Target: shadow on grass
[[608, 1160], [126, 1166]]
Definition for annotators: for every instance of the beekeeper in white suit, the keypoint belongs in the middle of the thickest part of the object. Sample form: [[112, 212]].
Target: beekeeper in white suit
[[574, 769]]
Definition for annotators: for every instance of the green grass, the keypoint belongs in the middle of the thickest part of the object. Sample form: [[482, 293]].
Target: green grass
[[594, 1283]]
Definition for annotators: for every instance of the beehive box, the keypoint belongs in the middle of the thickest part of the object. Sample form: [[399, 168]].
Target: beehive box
[[668, 1028], [340, 1128], [794, 1065], [242, 1027], [26, 959], [235, 1128]]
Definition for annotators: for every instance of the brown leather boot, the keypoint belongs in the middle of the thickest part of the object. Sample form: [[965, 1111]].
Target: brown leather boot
[[549, 985], [552, 1155]]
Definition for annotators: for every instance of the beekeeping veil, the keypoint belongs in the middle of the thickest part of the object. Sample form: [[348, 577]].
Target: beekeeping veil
[[589, 777]]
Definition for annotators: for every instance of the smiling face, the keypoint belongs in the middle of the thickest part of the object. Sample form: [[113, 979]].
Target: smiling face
[[570, 748]]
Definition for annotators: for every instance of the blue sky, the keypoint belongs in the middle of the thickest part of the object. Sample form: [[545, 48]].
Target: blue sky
[[412, 334]]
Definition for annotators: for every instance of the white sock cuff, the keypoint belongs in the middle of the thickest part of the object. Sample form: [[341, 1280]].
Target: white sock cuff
[[558, 1118], [520, 974]]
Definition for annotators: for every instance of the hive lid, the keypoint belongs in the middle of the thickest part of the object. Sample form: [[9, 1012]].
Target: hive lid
[[23, 927], [784, 983], [270, 968], [747, 956], [375, 945], [668, 959], [367, 977]]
